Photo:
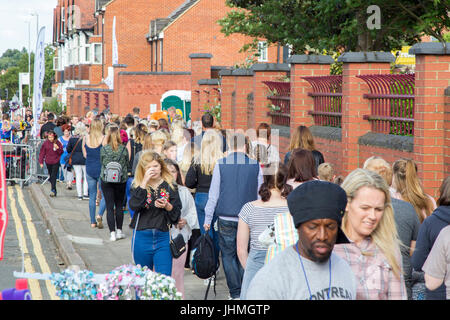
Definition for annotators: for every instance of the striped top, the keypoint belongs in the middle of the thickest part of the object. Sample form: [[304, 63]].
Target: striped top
[[258, 219]]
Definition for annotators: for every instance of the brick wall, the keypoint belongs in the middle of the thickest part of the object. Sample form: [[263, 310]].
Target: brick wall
[[197, 30], [432, 78], [144, 88], [132, 24], [447, 132]]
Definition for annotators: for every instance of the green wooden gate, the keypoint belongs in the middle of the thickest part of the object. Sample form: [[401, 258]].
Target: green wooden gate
[[178, 103]]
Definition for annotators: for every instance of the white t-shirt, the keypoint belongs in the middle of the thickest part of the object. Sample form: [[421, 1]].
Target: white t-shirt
[[283, 279], [437, 264]]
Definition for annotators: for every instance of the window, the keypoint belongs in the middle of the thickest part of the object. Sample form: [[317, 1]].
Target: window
[[63, 19], [55, 63], [97, 53], [87, 54], [262, 51]]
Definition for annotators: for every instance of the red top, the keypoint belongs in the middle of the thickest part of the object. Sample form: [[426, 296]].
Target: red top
[[48, 154]]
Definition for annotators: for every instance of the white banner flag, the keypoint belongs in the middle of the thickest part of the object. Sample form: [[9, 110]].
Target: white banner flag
[[115, 50], [38, 81]]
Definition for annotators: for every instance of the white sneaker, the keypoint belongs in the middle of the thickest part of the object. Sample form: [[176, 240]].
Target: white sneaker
[[119, 234], [113, 236]]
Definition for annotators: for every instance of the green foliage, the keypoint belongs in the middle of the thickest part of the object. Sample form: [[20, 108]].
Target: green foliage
[[10, 58], [336, 25], [215, 110], [53, 106], [17, 62]]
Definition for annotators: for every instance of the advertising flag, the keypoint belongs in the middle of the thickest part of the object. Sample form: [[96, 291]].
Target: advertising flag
[[38, 81]]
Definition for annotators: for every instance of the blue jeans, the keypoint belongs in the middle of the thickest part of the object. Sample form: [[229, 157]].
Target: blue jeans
[[93, 185], [255, 261], [152, 249], [201, 199], [127, 192], [230, 261]]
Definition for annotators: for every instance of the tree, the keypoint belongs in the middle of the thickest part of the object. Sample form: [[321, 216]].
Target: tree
[[337, 25], [18, 62]]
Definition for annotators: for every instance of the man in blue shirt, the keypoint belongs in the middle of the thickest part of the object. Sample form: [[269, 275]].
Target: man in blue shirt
[[235, 181]]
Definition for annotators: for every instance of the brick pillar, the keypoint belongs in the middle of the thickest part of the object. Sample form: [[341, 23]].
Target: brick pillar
[[354, 106], [431, 104], [305, 66], [243, 88], [200, 69], [447, 131], [227, 87], [265, 72], [115, 106]]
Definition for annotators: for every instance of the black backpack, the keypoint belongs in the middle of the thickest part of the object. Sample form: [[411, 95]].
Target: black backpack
[[204, 260]]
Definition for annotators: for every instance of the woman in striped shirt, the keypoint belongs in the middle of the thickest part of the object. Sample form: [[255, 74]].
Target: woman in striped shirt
[[374, 249], [254, 218]]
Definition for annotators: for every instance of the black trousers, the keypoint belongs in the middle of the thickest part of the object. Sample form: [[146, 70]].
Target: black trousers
[[114, 193], [53, 172]]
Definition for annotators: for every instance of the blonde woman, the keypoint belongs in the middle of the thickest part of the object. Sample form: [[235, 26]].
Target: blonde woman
[[189, 153], [114, 193], [159, 138], [155, 197], [92, 144], [199, 177], [303, 138], [75, 147], [406, 186], [374, 249]]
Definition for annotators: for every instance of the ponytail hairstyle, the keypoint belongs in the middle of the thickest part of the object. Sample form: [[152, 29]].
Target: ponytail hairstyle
[[276, 181], [113, 137], [139, 133], [408, 185]]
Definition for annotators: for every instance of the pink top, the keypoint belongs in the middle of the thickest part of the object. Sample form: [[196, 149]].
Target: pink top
[[375, 277]]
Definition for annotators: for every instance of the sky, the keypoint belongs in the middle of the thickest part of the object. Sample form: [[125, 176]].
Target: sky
[[14, 15]]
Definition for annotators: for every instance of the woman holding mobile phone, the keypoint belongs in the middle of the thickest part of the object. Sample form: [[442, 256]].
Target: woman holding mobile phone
[[156, 204]]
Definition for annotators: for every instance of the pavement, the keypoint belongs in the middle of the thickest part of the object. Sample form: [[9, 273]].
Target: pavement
[[89, 248]]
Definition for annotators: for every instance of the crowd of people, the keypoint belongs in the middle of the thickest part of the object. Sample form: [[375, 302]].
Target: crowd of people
[[367, 235]]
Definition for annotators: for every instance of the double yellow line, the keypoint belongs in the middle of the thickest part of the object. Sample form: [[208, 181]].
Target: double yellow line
[[33, 284]]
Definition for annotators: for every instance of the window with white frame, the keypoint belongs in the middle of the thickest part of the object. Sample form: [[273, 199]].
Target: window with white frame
[[97, 53], [262, 51]]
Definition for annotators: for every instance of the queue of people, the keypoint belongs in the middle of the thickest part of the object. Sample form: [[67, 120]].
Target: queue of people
[[368, 235]]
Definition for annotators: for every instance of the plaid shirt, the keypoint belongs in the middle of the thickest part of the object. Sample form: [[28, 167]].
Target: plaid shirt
[[375, 277]]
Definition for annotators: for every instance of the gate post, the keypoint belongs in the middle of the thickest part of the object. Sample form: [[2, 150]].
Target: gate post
[[200, 69], [354, 106], [265, 72], [432, 79], [305, 66]]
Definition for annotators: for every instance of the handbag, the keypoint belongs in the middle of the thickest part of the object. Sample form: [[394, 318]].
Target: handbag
[[177, 246], [69, 160]]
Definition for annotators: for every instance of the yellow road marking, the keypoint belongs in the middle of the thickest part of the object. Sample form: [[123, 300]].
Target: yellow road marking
[[37, 248], [33, 284]]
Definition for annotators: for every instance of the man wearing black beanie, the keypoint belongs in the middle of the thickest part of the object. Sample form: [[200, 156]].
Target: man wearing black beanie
[[309, 270]]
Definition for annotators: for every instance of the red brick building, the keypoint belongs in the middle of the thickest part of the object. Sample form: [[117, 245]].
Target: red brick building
[[154, 41]]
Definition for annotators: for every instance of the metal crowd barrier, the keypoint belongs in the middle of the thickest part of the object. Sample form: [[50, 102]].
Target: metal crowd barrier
[[22, 162], [17, 158], [38, 174]]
